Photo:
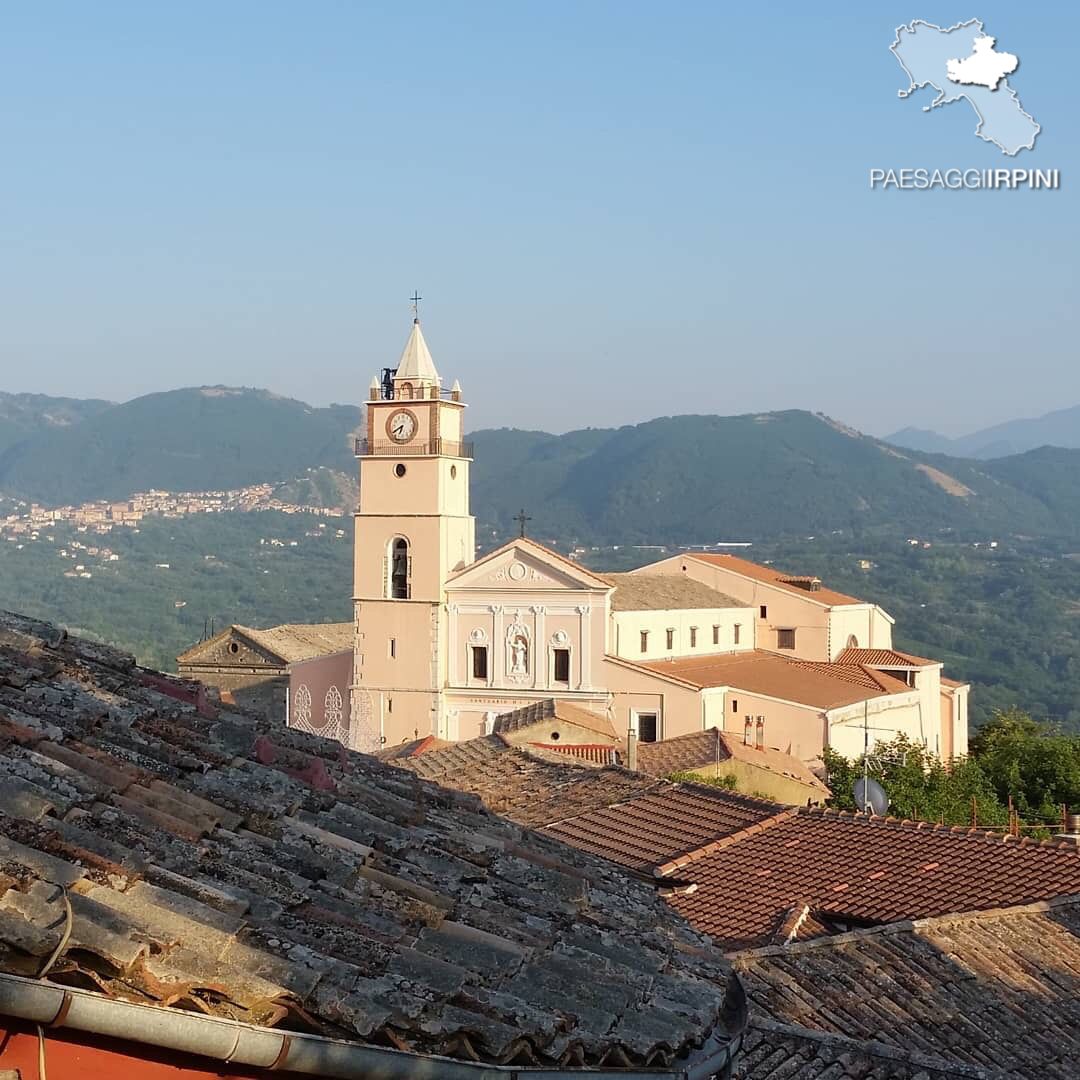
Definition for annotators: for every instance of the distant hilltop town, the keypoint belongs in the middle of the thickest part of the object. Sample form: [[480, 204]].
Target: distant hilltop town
[[27, 520]]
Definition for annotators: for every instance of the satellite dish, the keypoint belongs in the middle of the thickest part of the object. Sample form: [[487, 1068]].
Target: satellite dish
[[870, 797]]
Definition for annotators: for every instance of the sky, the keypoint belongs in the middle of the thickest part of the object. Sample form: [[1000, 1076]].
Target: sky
[[613, 210]]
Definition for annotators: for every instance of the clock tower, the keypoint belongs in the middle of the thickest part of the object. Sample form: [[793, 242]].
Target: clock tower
[[413, 529]]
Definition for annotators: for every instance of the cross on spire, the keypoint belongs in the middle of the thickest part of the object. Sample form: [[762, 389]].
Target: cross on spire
[[416, 298], [521, 519]]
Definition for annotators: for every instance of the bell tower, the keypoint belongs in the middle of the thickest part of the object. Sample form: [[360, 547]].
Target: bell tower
[[413, 529]]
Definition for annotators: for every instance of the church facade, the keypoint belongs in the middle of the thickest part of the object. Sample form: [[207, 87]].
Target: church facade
[[444, 642]]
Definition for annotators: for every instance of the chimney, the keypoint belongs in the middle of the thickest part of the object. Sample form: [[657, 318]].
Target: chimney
[[748, 732], [760, 733], [631, 749]]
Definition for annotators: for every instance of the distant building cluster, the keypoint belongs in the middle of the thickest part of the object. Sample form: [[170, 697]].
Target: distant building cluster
[[30, 520]]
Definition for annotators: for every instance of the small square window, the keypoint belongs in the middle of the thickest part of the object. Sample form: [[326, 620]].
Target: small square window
[[785, 639]]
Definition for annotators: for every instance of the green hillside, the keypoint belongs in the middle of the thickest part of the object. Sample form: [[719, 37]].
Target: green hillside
[[182, 440], [699, 479], [674, 480], [22, 416]]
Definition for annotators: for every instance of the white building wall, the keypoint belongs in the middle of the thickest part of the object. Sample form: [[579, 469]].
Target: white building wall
[[626, 628]]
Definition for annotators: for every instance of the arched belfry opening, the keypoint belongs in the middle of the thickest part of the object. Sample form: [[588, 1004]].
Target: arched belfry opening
[[400, 566]]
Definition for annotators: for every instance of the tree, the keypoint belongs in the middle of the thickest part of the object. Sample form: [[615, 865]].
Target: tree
[[919, 785], [1029, 762]]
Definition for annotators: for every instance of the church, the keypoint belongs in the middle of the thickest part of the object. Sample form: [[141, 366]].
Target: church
[[445, 643]]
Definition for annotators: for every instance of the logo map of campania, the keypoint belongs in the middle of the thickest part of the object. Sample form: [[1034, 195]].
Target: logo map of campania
[[962, 62]]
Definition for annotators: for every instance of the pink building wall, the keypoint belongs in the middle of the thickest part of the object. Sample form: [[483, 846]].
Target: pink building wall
[[319, 697]]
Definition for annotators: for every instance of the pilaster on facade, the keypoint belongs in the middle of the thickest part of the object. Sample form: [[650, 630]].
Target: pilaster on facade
[[540, 678], [584, 673]]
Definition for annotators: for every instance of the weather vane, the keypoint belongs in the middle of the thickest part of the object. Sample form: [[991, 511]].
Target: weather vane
[[416, 298]]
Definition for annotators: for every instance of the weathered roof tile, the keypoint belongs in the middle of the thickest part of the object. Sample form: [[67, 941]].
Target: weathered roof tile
[[202, 869]]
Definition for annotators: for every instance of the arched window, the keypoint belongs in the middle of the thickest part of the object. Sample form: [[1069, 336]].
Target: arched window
[[399, 569], [852, 642]]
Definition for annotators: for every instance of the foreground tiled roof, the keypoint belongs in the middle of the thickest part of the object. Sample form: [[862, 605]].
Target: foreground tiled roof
[[552, 709], [884, 658], [769, 575], [775, 1051], [700, 749], [995, 991], [819, 685], [654, 826], [273, 877], [852, 868], [640, 591]]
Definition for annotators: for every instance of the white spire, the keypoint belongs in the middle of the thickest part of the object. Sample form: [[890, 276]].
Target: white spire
[[416, 363]]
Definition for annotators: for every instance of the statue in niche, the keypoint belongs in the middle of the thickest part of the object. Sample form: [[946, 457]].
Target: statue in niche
[[519, 653], [517, 649]]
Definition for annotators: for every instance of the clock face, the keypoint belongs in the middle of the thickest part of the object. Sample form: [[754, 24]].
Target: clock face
[[401, 426]]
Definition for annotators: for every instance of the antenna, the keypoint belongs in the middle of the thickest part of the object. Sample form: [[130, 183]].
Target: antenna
[[870, 796]]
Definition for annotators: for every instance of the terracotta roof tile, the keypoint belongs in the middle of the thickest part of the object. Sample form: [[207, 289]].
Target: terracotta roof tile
[[819, 685], [649, 828], [642, 591], [875, 869], [552, 709], [992, 991], [771, 576], [712, 746], [891, 658]]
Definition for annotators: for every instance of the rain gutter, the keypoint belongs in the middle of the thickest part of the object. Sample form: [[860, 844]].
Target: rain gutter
[[246, 1045]]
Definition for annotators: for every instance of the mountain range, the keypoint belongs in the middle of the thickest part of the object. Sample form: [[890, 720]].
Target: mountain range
[[197, 439], [1059, 428], [673, 480]]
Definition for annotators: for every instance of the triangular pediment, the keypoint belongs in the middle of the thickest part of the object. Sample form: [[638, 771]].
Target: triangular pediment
[[525, 566]]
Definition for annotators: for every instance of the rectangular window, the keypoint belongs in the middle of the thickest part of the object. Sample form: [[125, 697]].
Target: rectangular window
[[562, 665], [644, 640], [738, 627], [785, 639], [671, 639], [479, 662], [646, 727], [764, 611], [392, 648], [734, 705], [716, 635], [693, 637]]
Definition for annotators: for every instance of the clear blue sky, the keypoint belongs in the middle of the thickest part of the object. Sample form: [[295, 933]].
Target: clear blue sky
[[613, 210]]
